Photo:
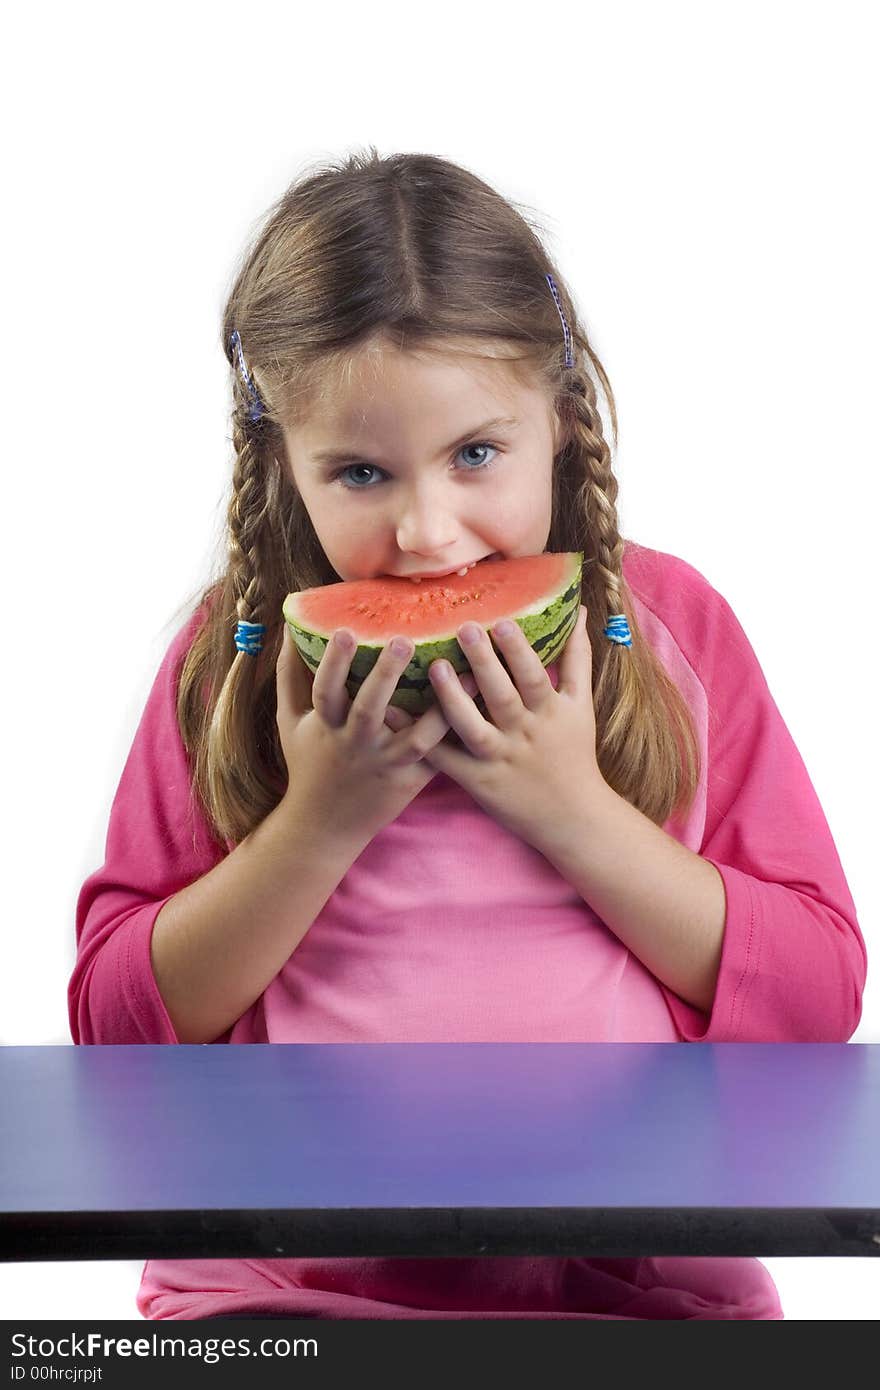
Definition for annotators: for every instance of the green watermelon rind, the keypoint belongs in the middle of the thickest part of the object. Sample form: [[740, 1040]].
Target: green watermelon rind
[[547, 624]]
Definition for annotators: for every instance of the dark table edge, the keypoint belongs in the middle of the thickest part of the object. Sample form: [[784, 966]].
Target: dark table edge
[[439, 1232]]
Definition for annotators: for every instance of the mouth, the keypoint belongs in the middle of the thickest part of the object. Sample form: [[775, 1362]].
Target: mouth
[[445, 574]]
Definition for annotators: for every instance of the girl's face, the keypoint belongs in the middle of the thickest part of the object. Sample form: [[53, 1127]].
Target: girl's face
[[403, 474]]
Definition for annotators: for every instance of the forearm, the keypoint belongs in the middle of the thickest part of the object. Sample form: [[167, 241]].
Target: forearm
[[665, 903], [220, 941]]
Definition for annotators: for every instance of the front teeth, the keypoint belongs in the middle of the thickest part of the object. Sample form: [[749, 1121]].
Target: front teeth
[[417, 579]]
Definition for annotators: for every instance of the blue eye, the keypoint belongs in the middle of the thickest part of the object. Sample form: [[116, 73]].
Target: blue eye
[[370, 467], [481, 445]]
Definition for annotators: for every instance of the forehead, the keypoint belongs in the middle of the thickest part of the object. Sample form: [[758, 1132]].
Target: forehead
[[373, 388]]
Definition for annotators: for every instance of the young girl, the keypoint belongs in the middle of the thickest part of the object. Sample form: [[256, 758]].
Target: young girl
[[623, 846]]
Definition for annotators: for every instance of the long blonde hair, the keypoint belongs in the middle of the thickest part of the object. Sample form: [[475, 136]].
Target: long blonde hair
[[411, 250]]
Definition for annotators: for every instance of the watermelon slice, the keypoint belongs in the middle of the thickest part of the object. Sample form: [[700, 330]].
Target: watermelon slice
[[541, 593]]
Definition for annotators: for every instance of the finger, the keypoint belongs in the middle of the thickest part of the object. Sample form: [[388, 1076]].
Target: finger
[[575, 665], [503, 699], [370, 704], [468, 683], [293, 679], [531, 683], [397, 718], [329, 695], [496, 681], [476, 733]]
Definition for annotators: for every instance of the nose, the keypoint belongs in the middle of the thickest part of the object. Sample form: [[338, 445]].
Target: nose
[[425, 524]]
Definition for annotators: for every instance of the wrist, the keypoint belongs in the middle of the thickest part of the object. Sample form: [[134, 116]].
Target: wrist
[[322, 835], [576, 820]]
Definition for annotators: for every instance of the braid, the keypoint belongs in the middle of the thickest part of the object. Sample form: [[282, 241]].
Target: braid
[[241, 738], [252, 508], [599, 498], [651, 761]]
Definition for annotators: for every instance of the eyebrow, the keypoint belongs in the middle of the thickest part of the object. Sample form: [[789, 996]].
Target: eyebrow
[[331, 456]]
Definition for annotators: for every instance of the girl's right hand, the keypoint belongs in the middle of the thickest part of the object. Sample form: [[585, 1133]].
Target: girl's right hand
[[353, 764]]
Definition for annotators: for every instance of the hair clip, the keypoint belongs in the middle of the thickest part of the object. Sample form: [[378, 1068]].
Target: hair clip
[[569, 356], [257, 409]]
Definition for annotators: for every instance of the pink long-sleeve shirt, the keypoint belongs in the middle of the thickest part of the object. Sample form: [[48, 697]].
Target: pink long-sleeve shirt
[[448, 927]]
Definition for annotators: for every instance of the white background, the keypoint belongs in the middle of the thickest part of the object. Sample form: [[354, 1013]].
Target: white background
[[706, 177]]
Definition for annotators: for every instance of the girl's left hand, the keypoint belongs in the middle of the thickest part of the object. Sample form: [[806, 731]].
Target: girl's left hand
[[534, 767]]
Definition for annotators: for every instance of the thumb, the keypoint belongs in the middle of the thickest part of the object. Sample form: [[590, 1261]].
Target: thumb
[[293, 679]]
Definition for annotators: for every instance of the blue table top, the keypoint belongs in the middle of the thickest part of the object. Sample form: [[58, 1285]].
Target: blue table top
[[339, 1128]]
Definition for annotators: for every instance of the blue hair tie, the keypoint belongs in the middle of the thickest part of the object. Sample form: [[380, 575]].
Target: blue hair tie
[[249, 637], [618, 631], [257, 410]]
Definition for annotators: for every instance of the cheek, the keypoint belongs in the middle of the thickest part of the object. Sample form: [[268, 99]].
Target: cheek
[[529, 502], [541, 518], [355, 549], [523, 525], [339, 531]]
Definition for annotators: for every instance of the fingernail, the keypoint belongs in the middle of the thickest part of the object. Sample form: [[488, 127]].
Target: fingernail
[[401, 647], [470, 634], [504, 628]]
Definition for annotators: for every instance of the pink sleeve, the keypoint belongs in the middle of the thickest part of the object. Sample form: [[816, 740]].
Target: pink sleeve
[[793, 960], [156, 844]]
